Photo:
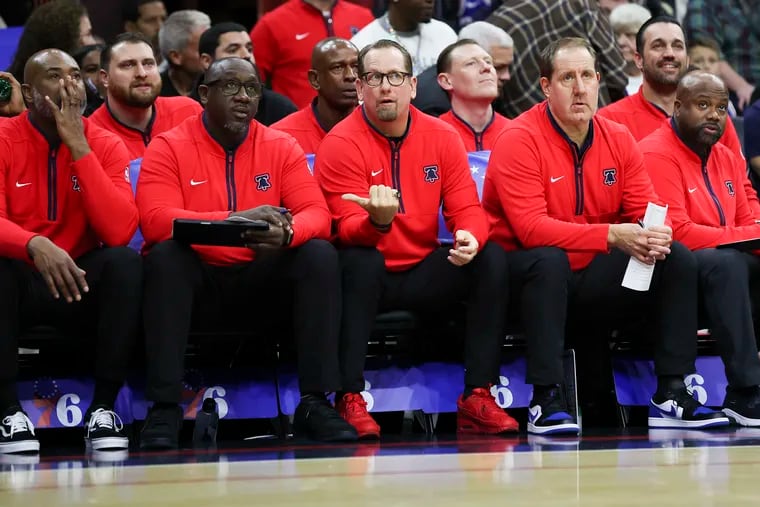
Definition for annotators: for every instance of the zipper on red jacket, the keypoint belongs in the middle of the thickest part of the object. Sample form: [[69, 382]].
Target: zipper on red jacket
[[477, 135], [396, 170], [327, 18], [579, 197], [578, 155], [230, 173], [52, 184], [712, 194]]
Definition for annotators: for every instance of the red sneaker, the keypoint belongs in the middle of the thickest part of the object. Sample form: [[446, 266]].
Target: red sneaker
[[479, 413], [353, 409]]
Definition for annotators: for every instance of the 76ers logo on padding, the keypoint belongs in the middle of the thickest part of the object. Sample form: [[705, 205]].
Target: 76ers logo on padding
[[262, 182], [730, 187], [431, 173], [610, 176]]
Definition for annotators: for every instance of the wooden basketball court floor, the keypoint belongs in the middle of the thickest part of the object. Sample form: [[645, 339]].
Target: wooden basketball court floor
[[660, 467]]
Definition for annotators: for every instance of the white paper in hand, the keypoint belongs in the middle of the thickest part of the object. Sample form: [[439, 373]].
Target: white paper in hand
[[638, 276]]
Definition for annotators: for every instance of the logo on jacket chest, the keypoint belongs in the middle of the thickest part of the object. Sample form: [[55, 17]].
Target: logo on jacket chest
[[730, 187], [431, 173], [609, 176], [263, 182], [75, 184]]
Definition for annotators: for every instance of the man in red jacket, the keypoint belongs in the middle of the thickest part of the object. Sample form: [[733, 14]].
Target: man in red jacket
[[284, 37], [569, 187], [467, 73], [332, 75], [385, 171], [133, 110], [66, 212], [661, 55], [701, 181], [222, 164]]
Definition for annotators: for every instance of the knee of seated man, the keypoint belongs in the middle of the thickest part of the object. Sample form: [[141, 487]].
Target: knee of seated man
[[724, 259], [552, 259], [318, 253]]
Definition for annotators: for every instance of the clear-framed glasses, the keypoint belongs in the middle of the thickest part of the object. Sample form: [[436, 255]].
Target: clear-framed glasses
[[375, 79], [232, 87]]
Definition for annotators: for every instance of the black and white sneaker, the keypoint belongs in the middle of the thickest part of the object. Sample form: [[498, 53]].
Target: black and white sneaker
[[104, 431], [17, 432], [743, 406], [679, 409], [548, 414]]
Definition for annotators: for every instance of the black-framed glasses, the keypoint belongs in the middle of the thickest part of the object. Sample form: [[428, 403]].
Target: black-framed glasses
[[375, 79], [232, 87]]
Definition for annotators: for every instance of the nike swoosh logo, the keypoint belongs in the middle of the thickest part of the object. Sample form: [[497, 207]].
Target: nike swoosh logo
[[534, 413], [19, 185], [375, 173], [194, 183], [555, 180], [302, 36], [692, 190]]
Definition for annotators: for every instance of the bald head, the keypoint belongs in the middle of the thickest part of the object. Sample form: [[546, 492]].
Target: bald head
[[701, 108], [327, 48], [233, 65], [46, 59]]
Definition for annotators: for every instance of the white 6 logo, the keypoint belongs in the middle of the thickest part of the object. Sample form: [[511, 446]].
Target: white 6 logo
[[694, 383], [502, 393], [368, 395]]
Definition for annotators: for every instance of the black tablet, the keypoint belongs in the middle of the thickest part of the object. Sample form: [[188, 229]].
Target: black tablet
[[744, 245], [215, 232]]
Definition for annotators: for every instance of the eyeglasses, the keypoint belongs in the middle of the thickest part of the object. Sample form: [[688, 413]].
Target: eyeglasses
[[232, 88], [375, 79]]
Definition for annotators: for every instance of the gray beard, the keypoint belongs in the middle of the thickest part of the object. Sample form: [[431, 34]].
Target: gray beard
[[236, 127]]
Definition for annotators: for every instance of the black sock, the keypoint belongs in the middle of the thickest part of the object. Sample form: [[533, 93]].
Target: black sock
[[105, 394], [8, 396], [313, 395], [669, 384], [542, 391], [468, 391]]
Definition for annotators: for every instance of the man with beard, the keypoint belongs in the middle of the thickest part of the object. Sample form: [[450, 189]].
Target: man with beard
[[662, 57], [132, 109], [333, 75], [466, 71], [411, 24], [66, 212], [385, 170], [701, 182], [218, 165]]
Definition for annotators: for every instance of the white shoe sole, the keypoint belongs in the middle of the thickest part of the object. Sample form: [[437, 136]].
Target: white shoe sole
[[20, 446], [662, 422], [567, 429], [741, 420], [105, 443]]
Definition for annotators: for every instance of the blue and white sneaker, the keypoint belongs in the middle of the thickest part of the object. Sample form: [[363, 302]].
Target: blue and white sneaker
[[548, 415], [679, 409]]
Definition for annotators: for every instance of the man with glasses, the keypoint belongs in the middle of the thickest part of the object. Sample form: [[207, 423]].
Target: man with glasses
[[132, 109], [221, 164], [385, 171], [332, 75]]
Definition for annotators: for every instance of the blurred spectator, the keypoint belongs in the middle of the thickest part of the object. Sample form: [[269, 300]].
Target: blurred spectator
[[60, 24], [533, 24], [431, 99], [178, 39], [284, 38], [88, 58], [411, 24], [704, 54], [626, 19], [225, 40], [735, 26], [334, 68], [144, 16]]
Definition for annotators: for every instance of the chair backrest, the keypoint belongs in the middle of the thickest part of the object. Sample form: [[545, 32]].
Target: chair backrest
[[478, 163], [136, 242]]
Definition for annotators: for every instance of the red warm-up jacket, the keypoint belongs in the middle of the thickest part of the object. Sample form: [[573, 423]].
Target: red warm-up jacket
[[477, 141], [706, 199], [168, 112], [428, 165], [78, 205], [542, 190], [304, 126], [187, 174]]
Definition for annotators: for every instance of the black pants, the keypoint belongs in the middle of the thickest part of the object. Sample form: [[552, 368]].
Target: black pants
[[725, 278], [434, 286], [300, 283], [549, 295], [111, 308]]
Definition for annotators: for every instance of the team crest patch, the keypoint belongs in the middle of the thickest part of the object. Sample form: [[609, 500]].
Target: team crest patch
[[431, 173], [262, 182], [75, 184], [354, 30], [610, 176], [730, 187]]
